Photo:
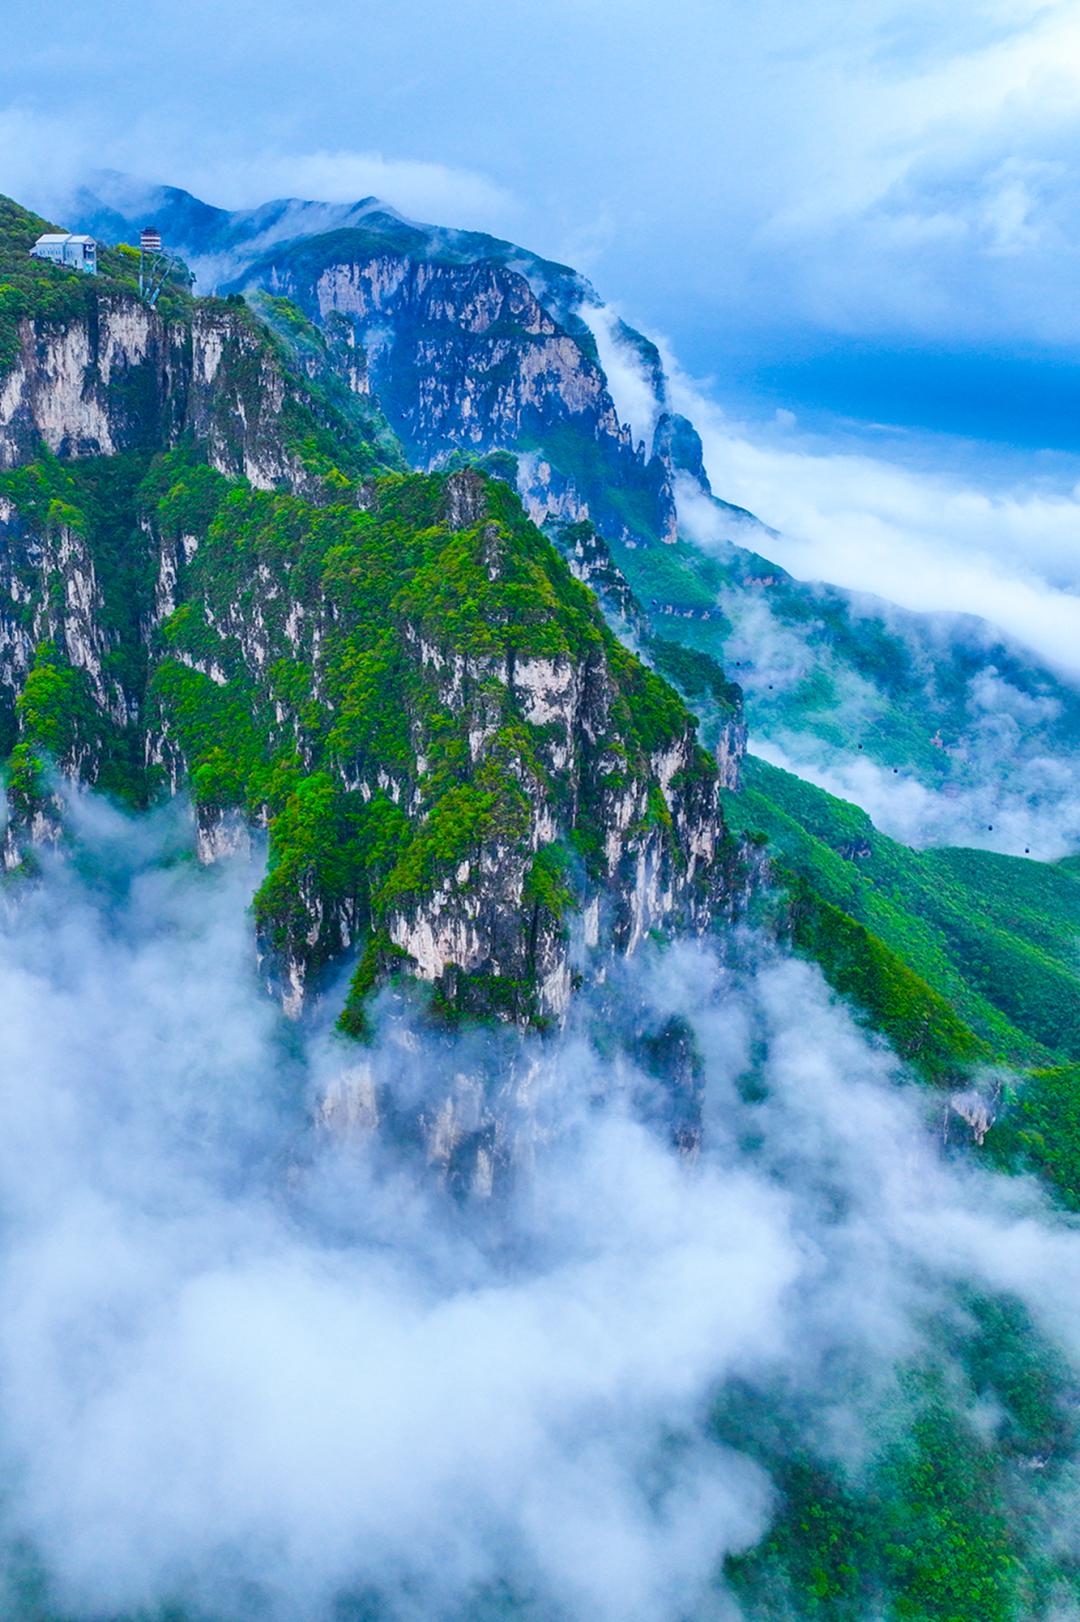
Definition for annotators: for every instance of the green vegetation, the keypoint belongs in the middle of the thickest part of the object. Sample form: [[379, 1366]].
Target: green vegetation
[[1038, 1129], [945, 1537], [79, 533], [333, 432], [496, 464], [1011, 1364], [305, 681], [918, 1022], [378, 963], [813, 660], [337, 432], [955, 954], [595, 468], [943, 1522], [336, 664], [817, 1554], [548, 885], [54, 295], [365, 705]]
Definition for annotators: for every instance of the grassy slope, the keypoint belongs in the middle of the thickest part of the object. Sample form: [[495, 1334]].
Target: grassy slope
[[895, 686], [961, 958], [992, 936]]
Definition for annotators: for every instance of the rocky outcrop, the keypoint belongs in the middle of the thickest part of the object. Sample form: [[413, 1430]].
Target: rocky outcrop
[[730, 750], [659, 829], [123, 378], [589, 558], [700, 679], [52, 607], [522, 769], [465, 357]]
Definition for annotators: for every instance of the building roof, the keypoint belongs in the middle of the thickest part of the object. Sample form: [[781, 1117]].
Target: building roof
[[60, 237]]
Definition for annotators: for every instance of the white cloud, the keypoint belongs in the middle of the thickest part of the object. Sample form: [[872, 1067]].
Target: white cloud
[[925, 539], [44, 155], [432, 192], [923, 168], [1037, 817], [243, 1364], [628, 382]]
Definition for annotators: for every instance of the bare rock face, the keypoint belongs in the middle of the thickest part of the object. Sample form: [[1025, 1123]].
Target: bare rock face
[[589, 559], [473, 346], [466, 499], [467, 358], [93, 386], [730, 750], [123, 378], [653, 871], [220, 835], [463, 775]]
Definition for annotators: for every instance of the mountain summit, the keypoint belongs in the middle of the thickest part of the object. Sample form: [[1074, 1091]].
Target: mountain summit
[[480, 351]]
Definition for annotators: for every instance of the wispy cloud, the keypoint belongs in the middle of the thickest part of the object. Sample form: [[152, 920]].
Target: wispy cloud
[[44, 156], [629, 384], [923, 537], [244, 1360], [428, 191]]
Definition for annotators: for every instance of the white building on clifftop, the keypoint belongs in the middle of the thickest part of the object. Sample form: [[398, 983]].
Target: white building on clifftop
[[64, 248]]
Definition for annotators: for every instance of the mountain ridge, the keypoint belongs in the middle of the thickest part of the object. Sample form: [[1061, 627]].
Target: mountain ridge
[[478, 349], [220, 578], [200, 647]]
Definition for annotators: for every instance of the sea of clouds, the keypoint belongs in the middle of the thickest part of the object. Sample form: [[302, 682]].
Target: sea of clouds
[[249, 1363]]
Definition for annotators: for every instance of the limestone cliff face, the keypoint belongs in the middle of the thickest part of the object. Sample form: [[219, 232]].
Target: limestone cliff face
[[583, 812], [70, 615], [466, 358], [473, 344], [93, 386], [461, 773], [564, 824], [589, 560], [53, 631], [217, 580], [652, 872], [123, 378]]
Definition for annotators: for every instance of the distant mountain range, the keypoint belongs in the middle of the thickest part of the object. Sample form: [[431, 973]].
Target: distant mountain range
[[479, 350]]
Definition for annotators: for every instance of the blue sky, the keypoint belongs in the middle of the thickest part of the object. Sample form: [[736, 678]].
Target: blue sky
[[857, 227], [855, 207]]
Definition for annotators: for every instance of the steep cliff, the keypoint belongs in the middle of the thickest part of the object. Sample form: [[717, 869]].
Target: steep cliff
[[452, 753], [472, 343], [465, 356], [89, 369], [397, 677], [489, 752], [477, 345]]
